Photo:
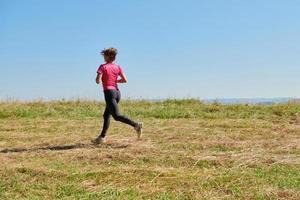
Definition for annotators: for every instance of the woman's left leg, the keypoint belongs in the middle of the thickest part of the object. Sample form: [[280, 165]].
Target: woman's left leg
[[114, 109]]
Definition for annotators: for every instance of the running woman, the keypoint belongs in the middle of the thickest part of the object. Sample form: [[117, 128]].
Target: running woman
[[109, 73]]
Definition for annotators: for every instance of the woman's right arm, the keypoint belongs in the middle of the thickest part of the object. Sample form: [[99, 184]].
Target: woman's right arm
[[98, 78]]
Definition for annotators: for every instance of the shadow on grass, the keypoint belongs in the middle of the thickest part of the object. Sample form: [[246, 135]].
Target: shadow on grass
[[65, 147]]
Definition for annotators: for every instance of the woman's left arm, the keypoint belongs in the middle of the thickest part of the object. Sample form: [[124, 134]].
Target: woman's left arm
[[123, 78]]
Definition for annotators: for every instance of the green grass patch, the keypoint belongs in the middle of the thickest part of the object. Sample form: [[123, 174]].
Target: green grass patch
[[168, 109]]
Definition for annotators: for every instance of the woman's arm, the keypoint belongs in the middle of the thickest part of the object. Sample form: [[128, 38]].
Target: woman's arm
[[123, 78], [98, 78]]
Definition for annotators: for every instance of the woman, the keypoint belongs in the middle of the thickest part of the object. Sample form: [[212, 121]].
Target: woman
[[108, 73]]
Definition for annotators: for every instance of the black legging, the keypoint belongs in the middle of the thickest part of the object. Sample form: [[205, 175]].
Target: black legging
[[112, 98]]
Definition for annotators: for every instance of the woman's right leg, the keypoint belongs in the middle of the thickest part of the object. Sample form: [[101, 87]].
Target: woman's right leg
[[106, 122]]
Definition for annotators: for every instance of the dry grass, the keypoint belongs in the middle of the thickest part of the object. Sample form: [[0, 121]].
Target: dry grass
[[245, 155]]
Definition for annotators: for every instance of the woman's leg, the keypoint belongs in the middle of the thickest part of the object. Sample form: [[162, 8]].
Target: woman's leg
[[112, 100], [106, 122]]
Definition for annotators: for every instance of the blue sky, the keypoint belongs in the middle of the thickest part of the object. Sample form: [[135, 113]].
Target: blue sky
[[168, 49]]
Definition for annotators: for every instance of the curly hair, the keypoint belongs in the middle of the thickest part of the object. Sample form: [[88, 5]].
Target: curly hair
[[109, 54]]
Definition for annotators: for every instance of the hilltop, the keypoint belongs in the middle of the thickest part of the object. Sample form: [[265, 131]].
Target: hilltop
[[189, 150]]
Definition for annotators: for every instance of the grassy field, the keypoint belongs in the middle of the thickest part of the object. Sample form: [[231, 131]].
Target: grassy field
[[189, 150]]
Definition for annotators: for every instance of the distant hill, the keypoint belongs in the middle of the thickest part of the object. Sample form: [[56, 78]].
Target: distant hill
[[252, 100]]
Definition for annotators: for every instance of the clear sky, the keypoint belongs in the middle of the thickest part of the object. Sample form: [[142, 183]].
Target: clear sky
[[168, 49]]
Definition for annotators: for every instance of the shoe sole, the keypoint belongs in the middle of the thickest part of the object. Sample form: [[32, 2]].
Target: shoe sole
[[139, 132], [97, 141]]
